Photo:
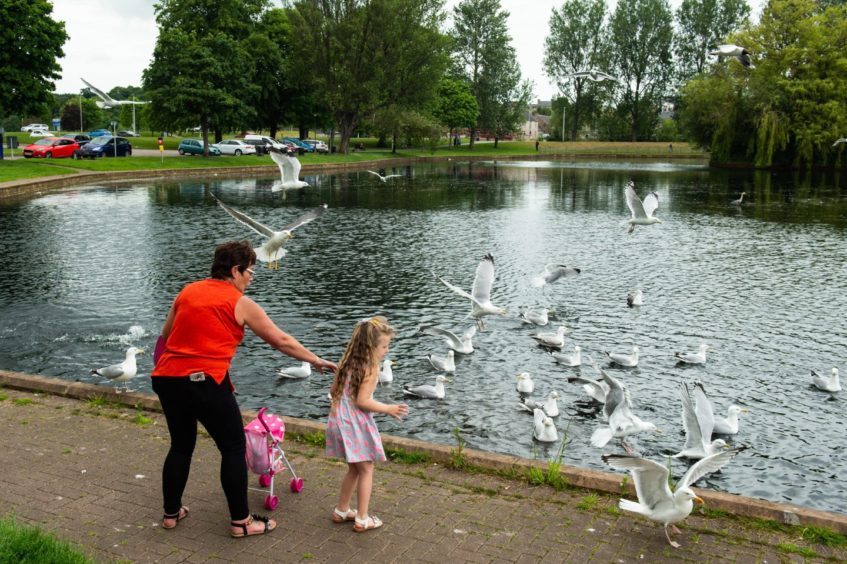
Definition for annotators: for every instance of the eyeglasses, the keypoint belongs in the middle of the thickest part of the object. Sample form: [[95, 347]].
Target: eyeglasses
[[250, 270]]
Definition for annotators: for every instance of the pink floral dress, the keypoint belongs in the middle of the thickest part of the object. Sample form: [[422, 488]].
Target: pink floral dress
[[351, 433]]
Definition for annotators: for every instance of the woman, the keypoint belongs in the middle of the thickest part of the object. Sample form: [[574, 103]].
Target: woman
[[201, 333]]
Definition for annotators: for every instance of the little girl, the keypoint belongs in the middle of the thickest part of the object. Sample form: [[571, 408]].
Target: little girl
[[351, 432]]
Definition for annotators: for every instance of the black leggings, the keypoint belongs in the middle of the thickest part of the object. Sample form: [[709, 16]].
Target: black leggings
[[185, 403]]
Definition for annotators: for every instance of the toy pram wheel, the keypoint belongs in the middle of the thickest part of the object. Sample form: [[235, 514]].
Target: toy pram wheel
[[296, 485], [264, 480], [271, 502]]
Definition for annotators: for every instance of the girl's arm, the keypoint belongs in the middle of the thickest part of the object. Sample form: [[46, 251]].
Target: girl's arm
[[366, 402]]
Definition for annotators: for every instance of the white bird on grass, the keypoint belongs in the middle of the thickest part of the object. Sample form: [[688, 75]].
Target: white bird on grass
[[462, 345], [124, 371], [740, 199], [553, 272], [289, 168], [443, 363], [271, 250], [826, 384], [574, 359], [740, 53], [426, 391], [296, 372], [635, 298], [622, 422], [525, 384], [642, 213], [543, 428], [480, 295], [628, 360], [554, 340], [386, 374], [550, 405], [593, 75], [655, 499], [699, 423], [386, 177], [538, 317], [693, 358]]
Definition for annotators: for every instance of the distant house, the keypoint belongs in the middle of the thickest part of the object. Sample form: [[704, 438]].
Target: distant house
[[536, 125], [668, 108]]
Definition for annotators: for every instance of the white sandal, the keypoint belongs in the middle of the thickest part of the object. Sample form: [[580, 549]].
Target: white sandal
[[339, 516], [367, 524]]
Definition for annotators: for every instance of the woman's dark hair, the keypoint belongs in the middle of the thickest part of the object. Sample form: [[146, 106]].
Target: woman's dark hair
[[234, 253]]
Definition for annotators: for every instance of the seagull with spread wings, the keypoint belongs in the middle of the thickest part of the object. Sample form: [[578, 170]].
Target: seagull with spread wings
[[107, 101], [462, 345], [289, 168], [740, 53], [698, 420], [622, 421], [593, 75], [386, 177], [480, 295], [642, 212]]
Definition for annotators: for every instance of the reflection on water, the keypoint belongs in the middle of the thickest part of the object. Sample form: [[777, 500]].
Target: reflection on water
[[86, 272]]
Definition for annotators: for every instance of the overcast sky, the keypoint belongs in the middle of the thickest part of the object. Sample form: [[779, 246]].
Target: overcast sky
[[130, 27]]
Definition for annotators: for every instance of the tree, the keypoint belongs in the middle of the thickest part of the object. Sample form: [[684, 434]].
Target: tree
[[455, 105], [702, 25], [642, 34], [92, 116], [31, 43], [576, 42], [505, 98]]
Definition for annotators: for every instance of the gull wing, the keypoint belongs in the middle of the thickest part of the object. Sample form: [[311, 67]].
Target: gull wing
[[259, 228], [633, 201], [378, 175], [693, 434], [106, 98], [580, 74], [555, 271], [727, 51], [439, 332], [704, 411], [310, 215], [650, 478], [614, 397], [279, 159], [707, 465], [469, 333], [594, 389], [393, 176], [294, 167], [651, 203], [481, 291], [455, 289], [604, 75]]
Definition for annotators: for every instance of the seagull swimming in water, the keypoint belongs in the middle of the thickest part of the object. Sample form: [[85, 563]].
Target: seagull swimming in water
[[553, 340], [386, 374], [722, 425], [574, 359], [655, 499], [543, 428], [553, 272], [642, 212], [427, 391], [271, 250], [462, 345], [124, 371], [525, 384], [693, 358], [443, 363], [628, 360], [635, 298], [289, 168], [830, 384], [296, 372], [480, 295], [699, 423], [385, 178], [540, 317], [740, 53], [550, 406]]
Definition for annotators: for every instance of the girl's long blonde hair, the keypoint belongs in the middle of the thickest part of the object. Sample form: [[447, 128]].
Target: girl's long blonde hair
[[360, 359]]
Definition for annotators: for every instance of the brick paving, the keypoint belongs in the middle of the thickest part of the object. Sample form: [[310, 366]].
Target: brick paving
[[91, 474]]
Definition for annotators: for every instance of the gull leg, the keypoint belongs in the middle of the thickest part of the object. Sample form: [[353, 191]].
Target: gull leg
[[675, 530], [673, 544], [628, 449]]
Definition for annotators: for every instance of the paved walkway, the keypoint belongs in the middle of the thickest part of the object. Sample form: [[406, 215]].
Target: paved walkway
[[90, 474]]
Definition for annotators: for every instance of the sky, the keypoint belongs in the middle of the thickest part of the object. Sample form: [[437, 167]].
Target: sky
[[130, 26]]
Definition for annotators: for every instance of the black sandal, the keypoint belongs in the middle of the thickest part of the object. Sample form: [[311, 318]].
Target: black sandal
[[178, 516], [246, 533]]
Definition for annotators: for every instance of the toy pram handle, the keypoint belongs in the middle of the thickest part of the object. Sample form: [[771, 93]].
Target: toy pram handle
[[262, 419]]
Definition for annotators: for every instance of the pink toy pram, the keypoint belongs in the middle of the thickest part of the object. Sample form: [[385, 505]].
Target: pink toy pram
[[265, 457]]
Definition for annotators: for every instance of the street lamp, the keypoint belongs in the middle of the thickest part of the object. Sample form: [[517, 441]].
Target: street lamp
[[81, 129], [563, 119]]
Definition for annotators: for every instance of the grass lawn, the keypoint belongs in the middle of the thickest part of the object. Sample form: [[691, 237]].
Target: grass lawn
[[29, 545]]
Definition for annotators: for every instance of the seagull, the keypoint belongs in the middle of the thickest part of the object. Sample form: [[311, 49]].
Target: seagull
[[655, 500], [480, 295], [723, 425], [628, 360], [739, 200], [543, 429], [124, 371], [554, 340], [538, 317], [592, 74], [574, 359], [107, 101], [553, 272], [296, 372], [462, 345], [693, 358], [385, 178], [642, 213], [622, 422], [699, 423], [635, 298], [823, 383], [386, 375], [550, 406], [525, 384], [740, 53], [442, 363], [426, 391], [839, 141], [271, 250], [289, 168], [596, 389]]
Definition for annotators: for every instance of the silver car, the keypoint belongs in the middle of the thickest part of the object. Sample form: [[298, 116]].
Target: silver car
[[235, 147]]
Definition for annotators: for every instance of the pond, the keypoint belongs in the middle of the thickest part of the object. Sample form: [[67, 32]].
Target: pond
[[89, 271]]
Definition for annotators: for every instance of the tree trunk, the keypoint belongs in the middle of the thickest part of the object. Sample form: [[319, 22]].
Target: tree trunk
[[473, 138], [273, 131], [347, 126], [303, 131], [394, 144], [219, 136], [205, 130], [496, 140]]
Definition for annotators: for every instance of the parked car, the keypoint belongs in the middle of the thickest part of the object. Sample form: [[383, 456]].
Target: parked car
[[104, 146], [128, 133], [80, 138], [51, 147], [306, 148], [268, 141], [235, 147], [99, 133], [40, 133], [30, 127], [195, 147], [320, 146], [261, 147]]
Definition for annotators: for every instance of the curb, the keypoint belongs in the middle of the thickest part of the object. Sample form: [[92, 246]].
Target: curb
[[580, 477]]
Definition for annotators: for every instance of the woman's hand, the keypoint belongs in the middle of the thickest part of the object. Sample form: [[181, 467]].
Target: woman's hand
[[320, 365], [397, 411]]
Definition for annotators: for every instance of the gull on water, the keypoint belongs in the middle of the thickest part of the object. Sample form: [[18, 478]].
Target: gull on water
[[574, 359], [296, 372], [386, 374], [553, 272], [550, 405], [699, 423], [386, 177], [538, 317], [124, 371], [480, 295], [462, 345], [622, 421], [642, 213], [289, 168], [723, 425], [693, 358], [740, 199], [554, 340], [635, 298], [592, 74], [740, 53], [826, 384], [443, 363], [271, 250], [427, 391], [655, 499], [543, 428], [525, 384], [628, 360]]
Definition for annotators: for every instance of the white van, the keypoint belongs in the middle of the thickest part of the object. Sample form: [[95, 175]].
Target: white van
[[267, 140]]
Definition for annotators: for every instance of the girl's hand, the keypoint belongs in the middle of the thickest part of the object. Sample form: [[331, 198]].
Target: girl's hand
[[398, 411]]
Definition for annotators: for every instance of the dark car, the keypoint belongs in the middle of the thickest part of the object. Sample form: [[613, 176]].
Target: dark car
[[99, 133], [261, 147], [195, 147], [105, 147], [302, 147], [80, 138]]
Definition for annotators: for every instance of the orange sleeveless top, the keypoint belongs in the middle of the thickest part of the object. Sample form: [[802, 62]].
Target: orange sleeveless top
[[204, 334]]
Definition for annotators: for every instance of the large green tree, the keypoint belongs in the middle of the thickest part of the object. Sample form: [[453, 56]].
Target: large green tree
[[701, 26], [505, 97], [30, 43], [577, 42], [455, 105]]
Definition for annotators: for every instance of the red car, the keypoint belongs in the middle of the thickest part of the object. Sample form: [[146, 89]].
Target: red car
[[51, 147]]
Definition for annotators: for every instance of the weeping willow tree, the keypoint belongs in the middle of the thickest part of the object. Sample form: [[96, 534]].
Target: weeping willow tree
[[771, 136]]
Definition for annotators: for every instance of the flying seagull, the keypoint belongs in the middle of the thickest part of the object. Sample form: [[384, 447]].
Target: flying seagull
[[386, 177], [462, 345], [723, 425], [124, 371], [642, 213], [839, 141], [271, 250], [740, 53], [289, 168], [699, 423], [480, 295], [622, 421], [553, 272], [592, 74], [107, 101]]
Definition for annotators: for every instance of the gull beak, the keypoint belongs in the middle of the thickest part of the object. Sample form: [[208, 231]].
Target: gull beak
[[659, 431], [698, 500], [139, 351], [744, 410], [392, 363], [658, 220]]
